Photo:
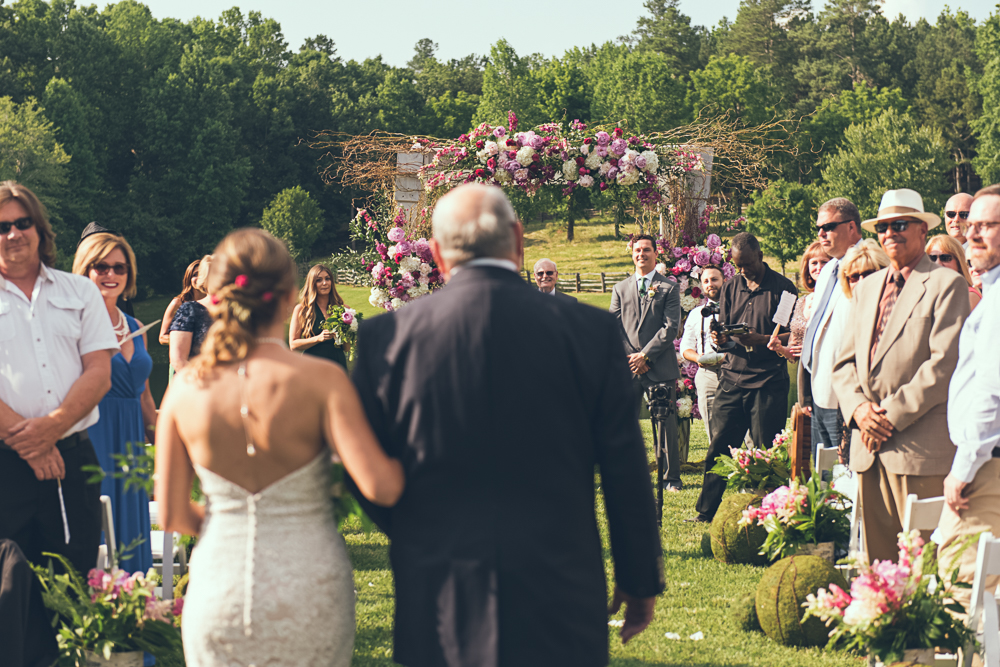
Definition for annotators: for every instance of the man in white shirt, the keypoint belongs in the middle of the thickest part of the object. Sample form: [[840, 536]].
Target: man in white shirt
[[56, 344], [956, 212], [838, 226], [972, 487], [697, 342]]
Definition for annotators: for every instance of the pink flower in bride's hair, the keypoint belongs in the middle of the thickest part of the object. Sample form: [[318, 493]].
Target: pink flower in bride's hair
[[214, 299], [241, 280], [267, 296], [396, 234]]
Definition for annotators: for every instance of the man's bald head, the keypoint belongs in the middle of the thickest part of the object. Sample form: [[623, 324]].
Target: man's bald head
[[473, 221], [957, 207]]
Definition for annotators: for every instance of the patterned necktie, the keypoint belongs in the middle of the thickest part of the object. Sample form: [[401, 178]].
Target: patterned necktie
[[892, 290], [642, 288]]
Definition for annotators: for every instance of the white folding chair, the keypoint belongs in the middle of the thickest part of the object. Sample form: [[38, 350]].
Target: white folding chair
[[987, 564], [165, 542], [991, 631], [826, 458], [922, 514], [106, 552]]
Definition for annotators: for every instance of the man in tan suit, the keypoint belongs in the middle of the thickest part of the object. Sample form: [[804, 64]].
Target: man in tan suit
[[891, 374]]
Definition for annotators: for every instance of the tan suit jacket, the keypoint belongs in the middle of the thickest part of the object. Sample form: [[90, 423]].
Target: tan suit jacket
[[909, 375]]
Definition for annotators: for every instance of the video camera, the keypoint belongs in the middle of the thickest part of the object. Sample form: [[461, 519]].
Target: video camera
[[659, 398], [731, 329]]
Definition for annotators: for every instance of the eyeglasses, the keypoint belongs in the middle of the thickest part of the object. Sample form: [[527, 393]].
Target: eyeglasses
[[964, 215], [830, 226], [897, 226], [981, 226], [102, 268], [944, 258], [20, 223], [855, 277], [544, 273]]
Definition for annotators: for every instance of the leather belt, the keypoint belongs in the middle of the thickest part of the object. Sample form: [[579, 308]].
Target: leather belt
[[996, 452], [66, 444]]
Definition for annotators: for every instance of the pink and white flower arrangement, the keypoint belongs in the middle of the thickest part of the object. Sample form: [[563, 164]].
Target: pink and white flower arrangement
[[756, 468], [892, 607]]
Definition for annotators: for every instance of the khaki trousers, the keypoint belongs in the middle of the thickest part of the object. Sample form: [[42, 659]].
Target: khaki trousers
[[882, 496], [983, 514]]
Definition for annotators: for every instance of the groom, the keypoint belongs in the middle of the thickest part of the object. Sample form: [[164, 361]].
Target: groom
[[494, 544]]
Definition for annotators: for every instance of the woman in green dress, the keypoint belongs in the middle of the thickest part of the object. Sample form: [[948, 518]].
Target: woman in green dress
[[306, 333]]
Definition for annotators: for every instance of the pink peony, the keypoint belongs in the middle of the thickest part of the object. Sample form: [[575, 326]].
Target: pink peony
[[702, 258], [498, 131], [618, 147], [713, 241], [347, 318], [716, 258], [396, 234], [684, 264], [678, 252], [603, 138]]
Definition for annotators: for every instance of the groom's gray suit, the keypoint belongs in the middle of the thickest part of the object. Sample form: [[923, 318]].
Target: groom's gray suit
[[648, 325]]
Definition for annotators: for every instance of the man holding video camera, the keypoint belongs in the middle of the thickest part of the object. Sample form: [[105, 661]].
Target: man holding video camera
[[753, 383]]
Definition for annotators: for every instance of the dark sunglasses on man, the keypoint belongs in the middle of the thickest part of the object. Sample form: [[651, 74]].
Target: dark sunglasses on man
[[945, 257], [964, 215], [20, 223], [830, 226], [897, 226], [544, 273]]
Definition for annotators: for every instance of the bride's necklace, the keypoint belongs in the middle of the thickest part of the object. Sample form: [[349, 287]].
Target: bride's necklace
[[245, 408], [276, 341], [121, 329]]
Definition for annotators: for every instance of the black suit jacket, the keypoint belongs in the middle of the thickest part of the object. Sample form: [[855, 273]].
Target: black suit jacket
[[500, 401]]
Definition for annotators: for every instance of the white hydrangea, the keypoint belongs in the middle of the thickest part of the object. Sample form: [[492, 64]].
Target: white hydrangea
[[628, 176], [354, 324], [684, 407], [378, 297], [524, 155], [593, 161], [586, 181], [688, 303], [605, 168], [418, 290], [570, 170], [409, 264], [397, 303], [491, 148], [503, 176], [425, 269], [652, 162]]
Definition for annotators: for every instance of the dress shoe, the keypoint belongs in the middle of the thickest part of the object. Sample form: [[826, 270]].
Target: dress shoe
[[701, 518]]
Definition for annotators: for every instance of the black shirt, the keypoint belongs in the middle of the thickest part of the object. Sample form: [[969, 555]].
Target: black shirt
[[737, 304]]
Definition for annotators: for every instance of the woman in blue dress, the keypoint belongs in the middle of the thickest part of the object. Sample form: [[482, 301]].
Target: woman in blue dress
[[128, 413]]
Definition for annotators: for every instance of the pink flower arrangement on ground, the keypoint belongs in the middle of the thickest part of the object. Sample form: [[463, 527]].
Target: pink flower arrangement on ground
[[755, 468]]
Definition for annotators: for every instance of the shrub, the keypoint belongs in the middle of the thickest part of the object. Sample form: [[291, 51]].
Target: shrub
[[783, 590], [731, 542], [295, 218]]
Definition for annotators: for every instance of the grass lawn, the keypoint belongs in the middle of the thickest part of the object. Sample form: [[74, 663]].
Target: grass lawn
[[699, 595]]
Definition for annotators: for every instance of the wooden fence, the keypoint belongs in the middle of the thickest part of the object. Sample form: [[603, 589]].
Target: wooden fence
[[584, 282]]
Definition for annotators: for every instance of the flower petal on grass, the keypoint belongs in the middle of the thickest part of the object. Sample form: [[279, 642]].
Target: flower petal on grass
[[672, 635], [698, 636], [616, 623]]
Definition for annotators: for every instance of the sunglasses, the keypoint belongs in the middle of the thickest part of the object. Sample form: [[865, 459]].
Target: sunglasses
[[964, 215], [944, 257], [101, 268], [897, 226], [830, 226], [20, 223], [545, 273], [855, 277]]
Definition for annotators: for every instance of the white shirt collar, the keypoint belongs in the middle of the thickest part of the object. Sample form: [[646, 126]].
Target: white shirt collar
[[990, 277], [486, 261], [648, 277]]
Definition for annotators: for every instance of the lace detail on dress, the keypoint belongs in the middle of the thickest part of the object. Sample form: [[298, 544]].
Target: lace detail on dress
[[271, 583], [195, 319]]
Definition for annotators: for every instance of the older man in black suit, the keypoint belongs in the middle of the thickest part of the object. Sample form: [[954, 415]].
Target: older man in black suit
[[494, 544]]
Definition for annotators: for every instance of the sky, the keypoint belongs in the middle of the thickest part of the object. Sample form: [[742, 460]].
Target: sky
[[366, 28]]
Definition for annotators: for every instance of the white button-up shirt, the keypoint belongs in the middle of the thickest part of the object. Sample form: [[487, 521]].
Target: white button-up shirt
[[697, 332], [974, 392], [42, 341]]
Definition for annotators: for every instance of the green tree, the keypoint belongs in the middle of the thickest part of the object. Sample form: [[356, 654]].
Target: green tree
[[987, 126], [733, 85], [562, 91], [863, 103], [782, 217], [761, 33], [507, 86], [295, 218], [642, 88], [668, 31], [29, 152], [890, 152]]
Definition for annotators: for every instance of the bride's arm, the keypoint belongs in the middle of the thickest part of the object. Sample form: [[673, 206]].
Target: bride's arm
[[174, 475], [379, 477]]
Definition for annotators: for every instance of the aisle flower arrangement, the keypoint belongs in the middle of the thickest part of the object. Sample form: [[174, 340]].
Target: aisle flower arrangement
[[756, 468], [110, 612], [894, 607], [343, 322], [799, 514]]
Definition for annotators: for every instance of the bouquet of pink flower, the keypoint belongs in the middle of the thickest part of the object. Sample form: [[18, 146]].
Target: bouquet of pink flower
[[756, 468], [892, 607], [112, 612], [799, 514], [343, 322]]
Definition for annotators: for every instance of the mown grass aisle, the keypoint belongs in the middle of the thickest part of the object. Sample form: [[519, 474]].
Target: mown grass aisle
[[700, 595]]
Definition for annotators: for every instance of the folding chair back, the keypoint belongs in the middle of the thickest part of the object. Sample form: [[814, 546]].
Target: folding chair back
[[991, 631], [987, 564], [922, 514], [826, 458], [106, 552]]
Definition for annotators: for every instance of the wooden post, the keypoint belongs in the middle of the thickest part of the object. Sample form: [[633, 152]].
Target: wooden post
[[578, 282], [604, 285]]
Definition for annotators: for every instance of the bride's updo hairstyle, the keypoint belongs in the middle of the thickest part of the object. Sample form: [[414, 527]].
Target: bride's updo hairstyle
[[251, 273]]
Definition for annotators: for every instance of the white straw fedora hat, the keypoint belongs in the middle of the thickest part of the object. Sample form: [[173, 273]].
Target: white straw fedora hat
[[902, 203]]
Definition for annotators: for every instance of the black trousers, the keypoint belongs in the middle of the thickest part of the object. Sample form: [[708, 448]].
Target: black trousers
[[763, 411], [30, 514], [26, 637]]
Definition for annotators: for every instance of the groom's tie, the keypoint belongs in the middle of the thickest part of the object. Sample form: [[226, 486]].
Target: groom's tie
[[642, 288]]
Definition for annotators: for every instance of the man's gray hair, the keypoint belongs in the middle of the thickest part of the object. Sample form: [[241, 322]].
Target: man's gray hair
[[845, 207], [474, 221], [543, 261]]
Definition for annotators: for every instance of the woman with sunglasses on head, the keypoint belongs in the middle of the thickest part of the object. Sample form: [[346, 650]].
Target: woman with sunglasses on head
[[812, 263], [306, 333], [127, 411], [947, 253], [860, 262], [192, 321]]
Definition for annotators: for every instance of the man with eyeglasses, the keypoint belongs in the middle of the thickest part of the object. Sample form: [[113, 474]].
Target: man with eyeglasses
[[838, 228], [891, 373], [972, 487], [56, 344], [547, 279], [956, 212]]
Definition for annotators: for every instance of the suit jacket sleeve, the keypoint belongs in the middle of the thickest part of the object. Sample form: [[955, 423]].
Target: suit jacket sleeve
[[616, 310], [929, 386], [628, 495], [663, 341], [846, 383]]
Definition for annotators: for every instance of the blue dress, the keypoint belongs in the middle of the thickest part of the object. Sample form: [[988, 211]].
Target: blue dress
[[120, 423]]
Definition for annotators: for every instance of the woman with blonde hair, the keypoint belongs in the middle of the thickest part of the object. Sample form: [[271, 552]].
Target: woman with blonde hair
[[256, 423], [948, 253], [812, 262], [192, 320], [306, 333], [128, 413], [188, 293], [860, 262]]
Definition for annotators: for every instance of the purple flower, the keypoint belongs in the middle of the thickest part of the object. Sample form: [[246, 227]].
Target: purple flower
[[678, 252], [612, 173], [537, 141], [603, 138], [498, 131], [404, 248], [728, 271], [702, 258], [713, 241], [397, 234], [640, 162], [684, 264], [695, 411], [347, 318], [677, 345], [691, 369], [602, 151], [716, 258], [512, 166], [618, 146], [381, 250]]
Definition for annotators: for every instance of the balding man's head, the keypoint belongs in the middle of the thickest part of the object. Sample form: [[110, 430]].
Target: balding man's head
[[546, 275], [473, 221], [956, 212]]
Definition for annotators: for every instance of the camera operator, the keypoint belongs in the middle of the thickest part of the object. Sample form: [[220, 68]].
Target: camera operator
[[696, 344], [753, 383]]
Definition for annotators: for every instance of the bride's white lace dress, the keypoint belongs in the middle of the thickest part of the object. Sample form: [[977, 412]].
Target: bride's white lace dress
[[271, 583]]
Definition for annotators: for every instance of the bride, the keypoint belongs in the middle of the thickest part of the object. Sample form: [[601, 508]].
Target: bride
[[271, 583]]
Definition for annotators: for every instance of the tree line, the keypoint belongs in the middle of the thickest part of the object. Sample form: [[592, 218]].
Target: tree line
[[174, 132]]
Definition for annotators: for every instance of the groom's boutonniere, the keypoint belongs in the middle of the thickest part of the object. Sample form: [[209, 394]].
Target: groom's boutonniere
[[651, 292]]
